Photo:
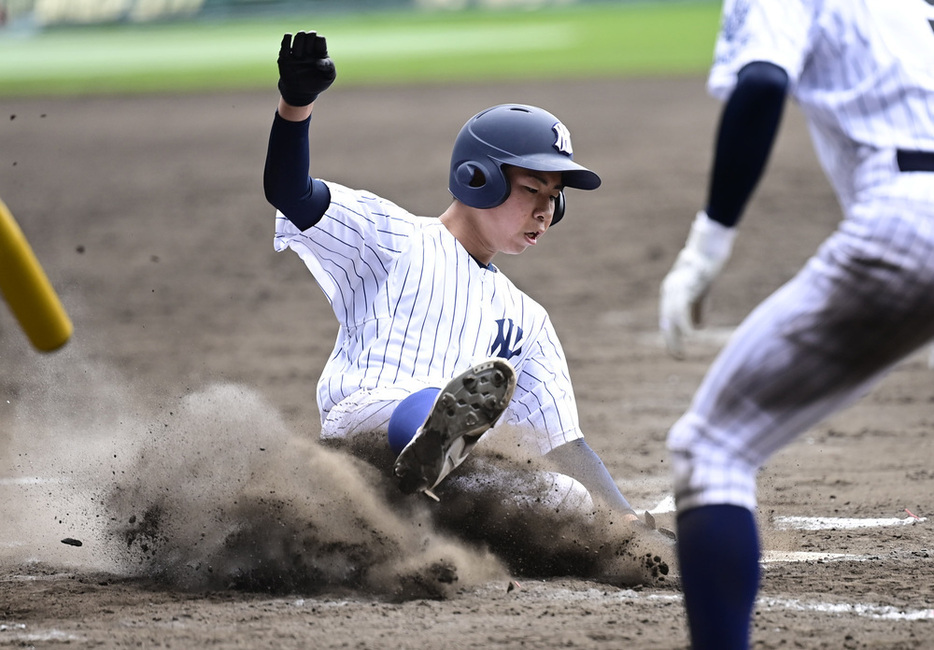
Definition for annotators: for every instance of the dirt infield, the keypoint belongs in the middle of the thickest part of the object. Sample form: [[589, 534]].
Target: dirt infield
[[178, 427]]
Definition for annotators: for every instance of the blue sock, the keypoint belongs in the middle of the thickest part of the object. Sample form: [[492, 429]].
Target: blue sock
[[718, 553], [408, 416]]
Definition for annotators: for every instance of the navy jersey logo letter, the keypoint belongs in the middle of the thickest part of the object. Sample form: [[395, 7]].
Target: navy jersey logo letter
[[508, 341]]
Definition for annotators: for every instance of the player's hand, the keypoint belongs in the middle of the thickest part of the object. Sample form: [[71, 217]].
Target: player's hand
[[686, 286], [305, 70]]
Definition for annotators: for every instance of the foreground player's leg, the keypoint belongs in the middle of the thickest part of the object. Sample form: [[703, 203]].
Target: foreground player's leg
[[718, 552], [468, 406]]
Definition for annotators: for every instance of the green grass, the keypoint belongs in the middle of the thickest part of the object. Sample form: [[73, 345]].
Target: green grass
[[608, 39]]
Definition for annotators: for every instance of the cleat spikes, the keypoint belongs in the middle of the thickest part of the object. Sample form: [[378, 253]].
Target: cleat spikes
[[467, 407]]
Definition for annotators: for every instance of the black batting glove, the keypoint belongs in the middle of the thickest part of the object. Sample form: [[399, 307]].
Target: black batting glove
[[305, 71]]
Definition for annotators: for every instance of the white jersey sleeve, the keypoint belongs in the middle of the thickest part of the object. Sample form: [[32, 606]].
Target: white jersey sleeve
[[349, 251], [754, 30]]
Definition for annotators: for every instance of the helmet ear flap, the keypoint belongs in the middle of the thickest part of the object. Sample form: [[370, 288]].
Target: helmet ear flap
[[480, 184], [560, 204]]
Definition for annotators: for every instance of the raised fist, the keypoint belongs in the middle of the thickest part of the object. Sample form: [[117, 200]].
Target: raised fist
[[305, 70]]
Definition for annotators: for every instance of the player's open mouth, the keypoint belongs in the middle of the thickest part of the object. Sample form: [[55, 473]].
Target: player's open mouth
[[533, 236]]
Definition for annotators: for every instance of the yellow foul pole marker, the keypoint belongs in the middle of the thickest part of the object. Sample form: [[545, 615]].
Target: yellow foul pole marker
[[27, 289]]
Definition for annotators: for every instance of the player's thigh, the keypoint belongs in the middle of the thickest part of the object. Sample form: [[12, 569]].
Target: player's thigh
[[359, 423], [860, 305]]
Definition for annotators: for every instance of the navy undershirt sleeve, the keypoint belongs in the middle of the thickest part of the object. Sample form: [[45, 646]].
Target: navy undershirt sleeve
[[748, 127], [288, 187]]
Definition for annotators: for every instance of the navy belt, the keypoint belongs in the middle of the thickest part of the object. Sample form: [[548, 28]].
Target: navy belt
[[915, 161]]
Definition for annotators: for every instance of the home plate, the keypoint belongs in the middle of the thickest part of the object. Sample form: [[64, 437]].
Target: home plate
[[664, 506]]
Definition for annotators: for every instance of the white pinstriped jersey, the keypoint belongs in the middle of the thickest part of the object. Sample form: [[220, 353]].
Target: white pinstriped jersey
[[415, 308], [862, 72]]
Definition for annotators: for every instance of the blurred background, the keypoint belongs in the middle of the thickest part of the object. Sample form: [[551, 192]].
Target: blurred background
[[89, 46], [31, 14]]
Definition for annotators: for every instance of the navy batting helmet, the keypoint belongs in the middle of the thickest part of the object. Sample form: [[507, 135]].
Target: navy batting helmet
[[512, 134]]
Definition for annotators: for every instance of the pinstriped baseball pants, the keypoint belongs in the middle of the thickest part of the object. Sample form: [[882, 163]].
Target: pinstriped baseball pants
[[861, 304]]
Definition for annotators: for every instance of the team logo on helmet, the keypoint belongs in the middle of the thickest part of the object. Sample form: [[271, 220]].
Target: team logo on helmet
[[562, 138]]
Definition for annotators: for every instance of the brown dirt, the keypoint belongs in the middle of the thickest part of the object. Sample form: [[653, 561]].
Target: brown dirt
[[174, 435]]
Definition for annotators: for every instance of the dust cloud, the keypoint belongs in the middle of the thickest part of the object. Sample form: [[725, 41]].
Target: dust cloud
[[211, 490]]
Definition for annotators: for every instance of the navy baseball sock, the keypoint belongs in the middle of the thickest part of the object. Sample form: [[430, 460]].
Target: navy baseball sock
[[408, 416], [718, 553]]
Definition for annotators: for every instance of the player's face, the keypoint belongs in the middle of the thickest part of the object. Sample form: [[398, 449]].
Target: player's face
[[527, 212]]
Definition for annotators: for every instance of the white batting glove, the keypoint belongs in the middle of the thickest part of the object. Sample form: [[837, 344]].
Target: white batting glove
[[684, 289]]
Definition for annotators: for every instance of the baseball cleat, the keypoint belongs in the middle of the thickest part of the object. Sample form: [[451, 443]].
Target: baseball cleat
[[467, 407]]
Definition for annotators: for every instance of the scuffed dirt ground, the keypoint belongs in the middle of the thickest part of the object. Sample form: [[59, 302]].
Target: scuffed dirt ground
[[189, 383]]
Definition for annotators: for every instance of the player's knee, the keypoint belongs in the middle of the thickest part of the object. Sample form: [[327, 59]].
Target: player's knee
[[701, 478], [408, 416], [705, 471], [567, 494]]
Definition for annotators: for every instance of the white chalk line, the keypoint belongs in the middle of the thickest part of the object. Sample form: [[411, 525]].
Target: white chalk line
[[841, 523], [769, 557], [29, 480], [667, 506], [17, 633], [42, 578], [11, 545], [878, 612], [862, 610]]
